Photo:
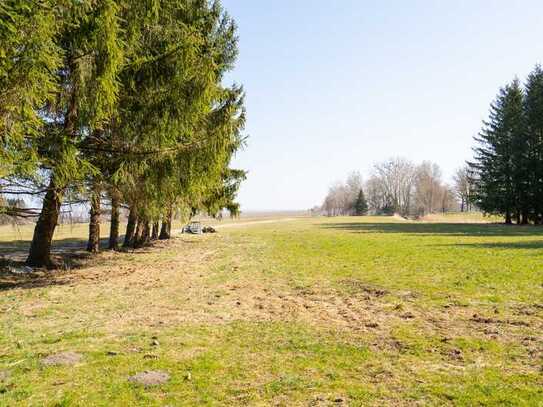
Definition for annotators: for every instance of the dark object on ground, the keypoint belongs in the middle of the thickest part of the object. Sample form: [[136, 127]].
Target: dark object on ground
[[150, 378], [193, 227], [62, 359], [209, 229], [196, 228]]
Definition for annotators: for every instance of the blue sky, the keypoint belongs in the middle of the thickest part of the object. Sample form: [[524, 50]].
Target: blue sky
[[334, 86]]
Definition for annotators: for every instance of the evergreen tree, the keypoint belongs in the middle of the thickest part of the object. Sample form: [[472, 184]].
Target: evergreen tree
[[360, 205], [88, 36], [119, 100], [534, 134], [499, 158]]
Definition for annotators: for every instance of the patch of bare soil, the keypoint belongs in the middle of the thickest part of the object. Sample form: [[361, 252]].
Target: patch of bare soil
[[150, 378], [63, 359]]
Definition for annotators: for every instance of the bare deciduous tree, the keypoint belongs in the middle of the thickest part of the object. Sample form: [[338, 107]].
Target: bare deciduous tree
[[462, 188], [341, 197], [397, 179], [429, 188]]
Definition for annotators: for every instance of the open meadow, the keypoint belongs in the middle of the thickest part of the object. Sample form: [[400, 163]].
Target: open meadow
[[301, 311]]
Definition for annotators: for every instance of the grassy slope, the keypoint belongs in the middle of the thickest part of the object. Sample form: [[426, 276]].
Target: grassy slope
[[369, 311]]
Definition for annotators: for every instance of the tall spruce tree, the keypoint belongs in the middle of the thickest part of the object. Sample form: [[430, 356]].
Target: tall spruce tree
[[88, 36], [123, 100], [167, 109], [533, 107], [360, 205], [499, 156]]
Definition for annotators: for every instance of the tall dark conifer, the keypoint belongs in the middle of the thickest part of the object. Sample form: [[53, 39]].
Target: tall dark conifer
[[534, 135], [498, 163], [360, 205]]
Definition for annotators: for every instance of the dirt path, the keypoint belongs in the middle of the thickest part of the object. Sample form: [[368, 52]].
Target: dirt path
[[247, 223], [255, 222]]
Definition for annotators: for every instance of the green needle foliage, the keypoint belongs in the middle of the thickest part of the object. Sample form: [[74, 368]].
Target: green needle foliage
[[121, 100], [507, 170], [361, 205], [28, 58]]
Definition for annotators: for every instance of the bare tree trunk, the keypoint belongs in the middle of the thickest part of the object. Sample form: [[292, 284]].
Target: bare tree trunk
[[146, 235], [130, 226], [40, 248], [138, 235], [508, 218], [93, 245], [114, 227], [166, 229], [164, 235], [154, 234]]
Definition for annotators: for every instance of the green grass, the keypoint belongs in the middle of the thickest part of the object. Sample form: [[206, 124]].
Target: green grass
[[370, 311]]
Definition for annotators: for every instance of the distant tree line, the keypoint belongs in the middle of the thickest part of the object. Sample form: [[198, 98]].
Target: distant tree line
[[347, 198], [118, 104], [399, 186], [507, 169]]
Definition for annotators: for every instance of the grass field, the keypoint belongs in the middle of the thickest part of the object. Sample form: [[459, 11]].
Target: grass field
[[309, 312]]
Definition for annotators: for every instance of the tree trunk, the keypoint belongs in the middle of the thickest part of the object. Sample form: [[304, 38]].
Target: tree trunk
[[508, 218], [40, 248], [165, 231], [517, 216], [146, 234], [93, 245], [138, 235], [154, 234], [114, 227], [130, 227], [164, 234]]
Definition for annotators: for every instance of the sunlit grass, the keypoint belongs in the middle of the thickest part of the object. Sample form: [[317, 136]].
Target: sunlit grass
[[359, 311]]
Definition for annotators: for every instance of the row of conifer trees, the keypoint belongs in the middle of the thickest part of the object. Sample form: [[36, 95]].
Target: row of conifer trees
[[507, 171], [119, 102]]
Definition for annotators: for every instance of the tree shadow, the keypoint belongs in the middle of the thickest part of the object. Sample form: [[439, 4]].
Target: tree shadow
[[524, 245], [68, 254], [446, 229], [37, 279], [8, 247]]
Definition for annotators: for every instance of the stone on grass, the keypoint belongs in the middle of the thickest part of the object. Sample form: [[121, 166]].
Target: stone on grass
[[150, 378], [4, 376], [20, 270], [62, 359]]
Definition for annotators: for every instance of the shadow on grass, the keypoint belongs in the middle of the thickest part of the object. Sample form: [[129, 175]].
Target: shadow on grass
[[451, 229], [525, 245], [37, 279], [68, 254]]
